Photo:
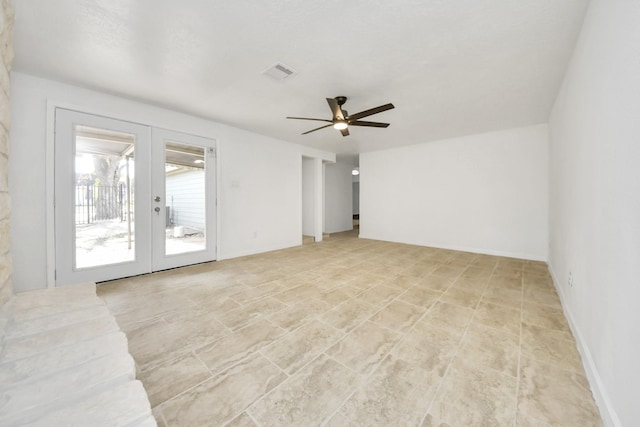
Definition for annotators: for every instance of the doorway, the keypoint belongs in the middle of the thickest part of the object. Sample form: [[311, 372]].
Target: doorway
[[129, 199]]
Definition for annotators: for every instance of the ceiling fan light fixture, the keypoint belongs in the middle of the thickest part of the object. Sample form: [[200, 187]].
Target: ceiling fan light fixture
[[340, 125]]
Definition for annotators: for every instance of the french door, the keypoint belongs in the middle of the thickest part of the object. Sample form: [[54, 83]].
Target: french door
[[129, 199]]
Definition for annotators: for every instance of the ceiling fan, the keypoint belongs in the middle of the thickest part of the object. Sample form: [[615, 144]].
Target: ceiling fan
[[342, 120]]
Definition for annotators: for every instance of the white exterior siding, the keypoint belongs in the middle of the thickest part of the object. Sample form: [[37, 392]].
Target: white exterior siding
[[185, 197]]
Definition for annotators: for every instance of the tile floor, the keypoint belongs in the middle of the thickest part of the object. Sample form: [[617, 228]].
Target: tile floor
[[354, 332]]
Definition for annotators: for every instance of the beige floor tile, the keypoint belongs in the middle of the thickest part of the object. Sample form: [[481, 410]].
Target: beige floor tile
[[395, 395], [350, 290], [402, 281], [299, 293], [525, 420], [365, 281], [510, 262], [460, 297], [431, 349], [398, 316], [503, 296], [546, 345], [484, 261], [419, 295], [225, 396], [333, 296], [211, 304], [431, 421], [547, 317], [154, 343], [555, 396], [435, 283], [470, 285], [419, 269], [497, 316], [349, 314], [339, 420], [365, 347], [264, 290], [448, 317], [536, 267], [541, 297], [255, 311], [450, 271], [540, 282], [380, 295], [242, 420], [308, 398], [286, 303], [157, 415], [506, 282], [296, 349], [294, 316], [148, 306], [477, 273], [475, 398], [488, 348], [185, 372], [515, 273], [230, 349]]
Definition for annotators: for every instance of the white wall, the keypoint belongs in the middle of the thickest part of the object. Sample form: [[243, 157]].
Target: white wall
[[259, 178], [481, 193], [308, 199], [594, 206], [338, 199]]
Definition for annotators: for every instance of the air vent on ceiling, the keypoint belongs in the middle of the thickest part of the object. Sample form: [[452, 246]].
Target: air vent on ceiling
[[279, 72]]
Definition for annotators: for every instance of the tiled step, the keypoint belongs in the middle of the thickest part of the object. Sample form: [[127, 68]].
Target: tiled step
[[64, 361]]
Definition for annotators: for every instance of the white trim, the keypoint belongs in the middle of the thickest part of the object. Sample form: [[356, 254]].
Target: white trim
[[51, 105], [600, 395], [160, 259], [519, 255], [277, 247], [218, 189], [50, 195]]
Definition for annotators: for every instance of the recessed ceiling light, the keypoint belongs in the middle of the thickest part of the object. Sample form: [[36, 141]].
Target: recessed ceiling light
[[355, 172], [198, 161]]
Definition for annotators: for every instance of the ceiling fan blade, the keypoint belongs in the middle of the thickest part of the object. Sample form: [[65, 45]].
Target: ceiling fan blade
[[369, 124], [335, 109], [313, 130], [307, 118], [370, 112], [344, 132]]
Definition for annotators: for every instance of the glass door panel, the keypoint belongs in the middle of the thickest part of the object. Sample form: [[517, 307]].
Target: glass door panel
[[124, 206], [185, 210], [184, 199], [102, 219], [104, 191]]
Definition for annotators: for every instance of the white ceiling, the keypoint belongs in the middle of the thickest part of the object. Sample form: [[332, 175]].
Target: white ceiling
[[451, 68]]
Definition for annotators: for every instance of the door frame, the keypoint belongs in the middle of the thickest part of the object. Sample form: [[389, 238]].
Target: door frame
[[132, 117], [160, 260], [65, 221]]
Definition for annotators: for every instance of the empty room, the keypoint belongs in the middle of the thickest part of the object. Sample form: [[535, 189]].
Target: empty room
[[408, 213]]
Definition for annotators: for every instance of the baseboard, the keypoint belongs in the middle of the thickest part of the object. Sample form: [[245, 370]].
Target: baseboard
[[508, 254], [600, 395], [276, 247]]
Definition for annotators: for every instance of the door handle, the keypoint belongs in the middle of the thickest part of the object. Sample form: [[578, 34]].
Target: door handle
[[156, 199], [157, 209]]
